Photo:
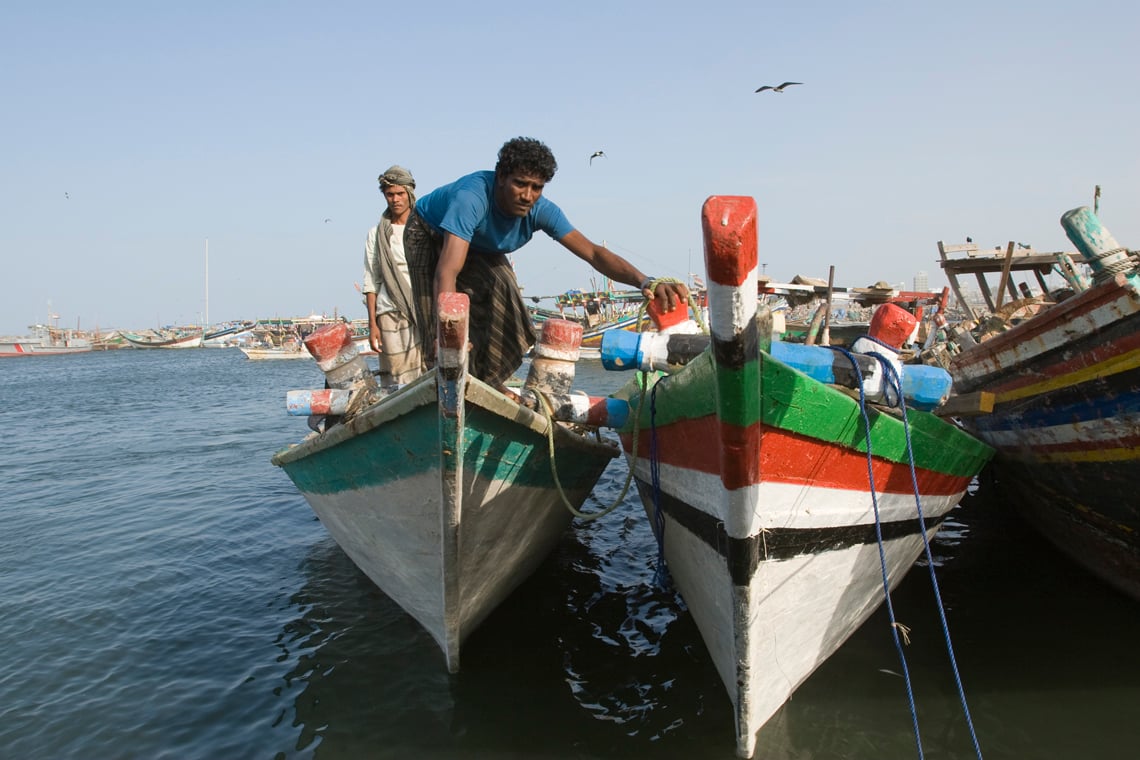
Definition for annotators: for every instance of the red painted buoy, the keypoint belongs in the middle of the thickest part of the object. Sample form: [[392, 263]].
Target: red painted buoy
[[560, 336], [892, 325], [327, 342], [666, 319]]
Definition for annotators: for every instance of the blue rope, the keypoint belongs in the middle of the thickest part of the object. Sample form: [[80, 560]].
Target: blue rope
[[894, 379], [661, 574], [882, 552]]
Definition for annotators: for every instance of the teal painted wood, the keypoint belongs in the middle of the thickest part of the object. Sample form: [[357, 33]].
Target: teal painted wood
[[495, 449], [398, 449], [793, 401]]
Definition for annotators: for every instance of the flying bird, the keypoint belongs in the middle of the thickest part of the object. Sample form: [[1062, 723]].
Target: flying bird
[[327, 221], [65, 195], [597, 154], [778, 88]]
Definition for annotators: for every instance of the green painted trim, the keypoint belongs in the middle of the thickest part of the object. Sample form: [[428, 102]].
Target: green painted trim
[[792, 401], [495, 449]]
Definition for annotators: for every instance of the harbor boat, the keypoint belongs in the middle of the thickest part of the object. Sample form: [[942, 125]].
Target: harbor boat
[[271, 353], [598, 311], [166, 338], [45, 340], [227, 334], [1060, 364], [446, 493], [785, 508]]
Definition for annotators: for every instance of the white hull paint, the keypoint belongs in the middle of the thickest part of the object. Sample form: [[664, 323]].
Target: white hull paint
[[194, 341], [768, 637], [794, 506], [450, 576], [273, 354], [392, 533]]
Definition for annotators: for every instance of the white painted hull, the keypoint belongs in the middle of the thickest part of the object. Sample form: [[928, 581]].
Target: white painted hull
[[35, 348], [393, 535], [768, 637], [273, 354], [380, 487], [192, 341]]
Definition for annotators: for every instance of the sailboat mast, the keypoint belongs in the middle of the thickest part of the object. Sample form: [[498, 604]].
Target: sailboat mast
[[207, 325]]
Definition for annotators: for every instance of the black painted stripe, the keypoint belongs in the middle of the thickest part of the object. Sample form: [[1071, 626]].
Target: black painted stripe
[[737, 351], [743, 555]]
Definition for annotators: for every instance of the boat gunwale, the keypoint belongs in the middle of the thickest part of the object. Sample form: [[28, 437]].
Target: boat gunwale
[[421, 392]]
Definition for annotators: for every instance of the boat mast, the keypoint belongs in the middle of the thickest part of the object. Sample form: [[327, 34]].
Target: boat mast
[[207, 320]]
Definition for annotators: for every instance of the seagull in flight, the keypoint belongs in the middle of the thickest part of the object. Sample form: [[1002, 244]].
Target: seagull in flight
[[777, 88], [65, 195], [327, 221], [596, 154]]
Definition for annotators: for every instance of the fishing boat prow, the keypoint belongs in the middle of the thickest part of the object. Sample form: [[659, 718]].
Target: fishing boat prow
[[789, 486], [446, 493]]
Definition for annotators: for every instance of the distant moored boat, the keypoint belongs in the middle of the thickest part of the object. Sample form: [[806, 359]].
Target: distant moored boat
[[45, 340], [188, 338]]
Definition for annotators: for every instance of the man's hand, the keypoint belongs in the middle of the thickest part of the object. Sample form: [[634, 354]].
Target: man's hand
[[671, 295], [374, 340]]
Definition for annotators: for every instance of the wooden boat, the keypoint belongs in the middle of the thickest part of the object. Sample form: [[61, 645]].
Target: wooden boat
[[45, 340], [227, 334], [273, 353], [756, 477], [443, 492], [179, 338], [1061, 368], [598, 311]]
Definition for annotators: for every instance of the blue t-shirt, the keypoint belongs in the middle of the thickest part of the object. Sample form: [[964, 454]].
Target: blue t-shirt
[[466, 209]]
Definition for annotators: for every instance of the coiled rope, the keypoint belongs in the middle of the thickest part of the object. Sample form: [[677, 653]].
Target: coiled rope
[[1109, 270], [548, 413]]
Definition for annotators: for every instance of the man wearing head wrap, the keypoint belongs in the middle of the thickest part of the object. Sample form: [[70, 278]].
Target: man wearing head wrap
[[457, 240], [387, 288]]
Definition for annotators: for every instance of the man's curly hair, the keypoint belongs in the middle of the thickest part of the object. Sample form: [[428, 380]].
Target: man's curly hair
[[526, 155]]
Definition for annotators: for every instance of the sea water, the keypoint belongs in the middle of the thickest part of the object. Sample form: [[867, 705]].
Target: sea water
[[167, 593]]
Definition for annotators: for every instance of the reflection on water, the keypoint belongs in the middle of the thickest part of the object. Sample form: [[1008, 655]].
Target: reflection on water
[[363, 675], [587, 658]]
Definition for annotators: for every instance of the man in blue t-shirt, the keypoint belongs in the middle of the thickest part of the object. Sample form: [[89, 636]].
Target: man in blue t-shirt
[[457, 240]]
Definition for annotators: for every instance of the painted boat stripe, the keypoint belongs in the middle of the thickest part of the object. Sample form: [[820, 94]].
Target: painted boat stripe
[[1092, 307], [1107, 368], [786, 457], [1080, 353], [744, 555], [791, 505], [1069, 325]]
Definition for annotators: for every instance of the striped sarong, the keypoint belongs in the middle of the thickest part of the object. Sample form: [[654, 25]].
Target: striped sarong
[[501, 327]]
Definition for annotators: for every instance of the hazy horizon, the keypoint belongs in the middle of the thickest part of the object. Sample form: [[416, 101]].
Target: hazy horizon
[[139, 131]]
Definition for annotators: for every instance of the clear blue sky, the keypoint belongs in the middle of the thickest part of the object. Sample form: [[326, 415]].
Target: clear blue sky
[[250, 123]]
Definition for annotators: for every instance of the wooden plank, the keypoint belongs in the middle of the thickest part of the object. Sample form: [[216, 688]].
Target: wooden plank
[[953, 278], [967, 405], [1004, 283]]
